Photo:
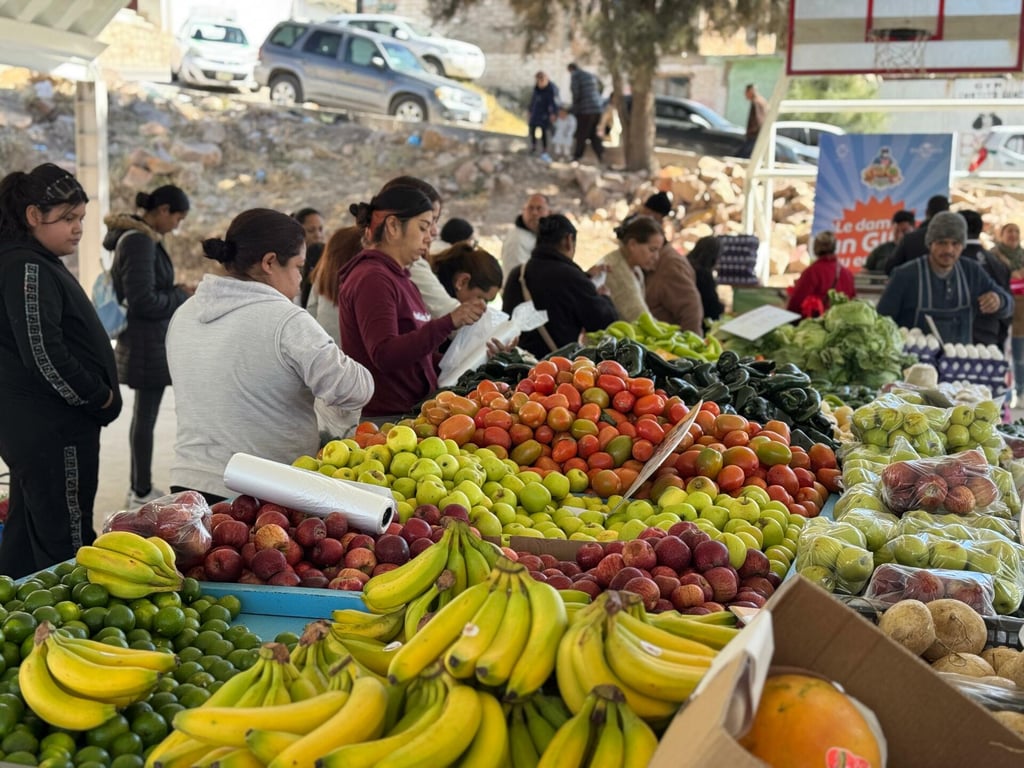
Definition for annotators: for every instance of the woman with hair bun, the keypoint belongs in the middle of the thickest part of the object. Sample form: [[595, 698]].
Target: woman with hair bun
[[467, 272], [640, 241], [58, 378], [809, 296], [247, 362], [143, 277], [384, 323]]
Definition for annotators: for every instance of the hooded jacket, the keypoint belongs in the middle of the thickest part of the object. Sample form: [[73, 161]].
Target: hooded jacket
[[247, 364], [517, 247], [143, 277], [56, 365], [386, 326]]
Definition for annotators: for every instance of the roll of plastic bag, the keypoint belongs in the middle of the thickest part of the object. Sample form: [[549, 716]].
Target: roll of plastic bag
[[367, 507]]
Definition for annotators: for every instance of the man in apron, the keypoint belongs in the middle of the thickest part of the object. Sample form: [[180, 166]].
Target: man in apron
[[942, 288]]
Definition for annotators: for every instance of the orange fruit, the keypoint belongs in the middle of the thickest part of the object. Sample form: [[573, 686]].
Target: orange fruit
[[806, 721]]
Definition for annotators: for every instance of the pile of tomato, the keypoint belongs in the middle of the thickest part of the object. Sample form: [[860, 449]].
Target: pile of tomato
[[593, 417]]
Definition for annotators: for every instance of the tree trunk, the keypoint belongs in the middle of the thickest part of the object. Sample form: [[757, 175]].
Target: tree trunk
[[640, 144]]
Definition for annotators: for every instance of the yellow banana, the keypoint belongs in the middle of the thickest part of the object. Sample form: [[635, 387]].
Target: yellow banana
[[609, 748], [490, 745], [574, 596], [654, 634], [83, 677], [368, 754], [372, 654], [51, 702], [478, 633], [478, 569], [212, 756], [662, 652], [457, 565], [182, 754], [647, 673], [436, 635], [302, 688], [384, 627], [238, 758], [541, 731], [551, 708], [123, 566], [495, 664], [126, 590], [361, 718], [537, 661], [570, 742], [523, 751], [142, 549], [639, 741], [276, 690], [228, 725], [442, 746], [166, 550], [712, 635], [389, 591], [491, 552], [267, 745], [570, 686], [418, 609], [113, 656]]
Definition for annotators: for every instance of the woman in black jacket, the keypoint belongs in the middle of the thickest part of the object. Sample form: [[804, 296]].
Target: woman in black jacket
[[143, 277], [704, 259], [58, 380]]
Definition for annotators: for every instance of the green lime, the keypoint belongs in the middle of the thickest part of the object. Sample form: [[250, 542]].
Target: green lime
[[169, 621], [13, 605], [200, 605], [63, 569], [163, 644], [222, 670], [288, 638], [134, 710], [48, 613], [92, 764], [13, 704], [248, 642], [166, 683], [26, 588], [69, 610], [242, 658], [195, 697], [128, 761], [216, 611], [60, 592], [215, 625], [18, 626], [92, 595], [60, 740], [168, 711], [108, 631], [78, 575], [47, 578], [94, 617], [92, 754], [142, 645], [104, 735], [37, 599], [22, 758], [185, 638], [116, 601], [235, 633], [120, 616], [144, 616], [163, 599], [54, 753], [3, 665], [190, 589], [190, 612], [8, 589], [185, 670], [201, 679], [137, 634], [232, 603], [190, 653], [114, 640], [20, 741], [160, 698], [151, 727], [206, 639], [127, 744]]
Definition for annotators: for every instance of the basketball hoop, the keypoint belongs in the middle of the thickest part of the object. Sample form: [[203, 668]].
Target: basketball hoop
[[899, 51]]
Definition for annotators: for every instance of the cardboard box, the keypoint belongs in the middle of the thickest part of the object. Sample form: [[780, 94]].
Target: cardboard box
[[926, 721]]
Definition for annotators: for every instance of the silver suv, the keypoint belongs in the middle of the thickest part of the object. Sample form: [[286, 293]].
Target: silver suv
[[351, 69]]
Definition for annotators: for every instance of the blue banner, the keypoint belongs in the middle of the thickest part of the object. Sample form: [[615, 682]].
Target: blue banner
[[864, 179]]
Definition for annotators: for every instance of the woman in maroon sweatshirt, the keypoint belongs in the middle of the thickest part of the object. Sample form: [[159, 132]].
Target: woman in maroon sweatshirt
[[809, 296], [384, 323]]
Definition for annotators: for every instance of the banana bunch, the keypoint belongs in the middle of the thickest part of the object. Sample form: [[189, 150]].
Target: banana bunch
[[443, 722], [610, 643], [130, 566], [263, 685], [532, 725], [78, 684], [467, 557], [383, 626], [605, 732], [503, 632]]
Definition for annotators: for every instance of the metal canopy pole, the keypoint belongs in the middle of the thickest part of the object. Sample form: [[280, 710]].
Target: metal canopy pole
[[93, 171]]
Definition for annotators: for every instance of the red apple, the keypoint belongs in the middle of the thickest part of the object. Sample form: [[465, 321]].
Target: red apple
[[639, 553], [310, 531], [392, 548], [284, 578], [223, 564], [248, 550], [625, 574], [271, 517], [361, 559], [347, 585], [415, 528], [220, 507], [647, 589], [293, 552], [589, 555], [337, 525], [382, 568], [327, 551], [353, 573], [361, 541], [271, 536], [245, 508], [267, 562], [609, 566], [219, 518], [419, 545], [230, 533]]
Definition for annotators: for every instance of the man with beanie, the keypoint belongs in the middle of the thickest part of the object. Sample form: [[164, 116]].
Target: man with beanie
[[943, 287], [670, 289], [913, 243], [520, 241]]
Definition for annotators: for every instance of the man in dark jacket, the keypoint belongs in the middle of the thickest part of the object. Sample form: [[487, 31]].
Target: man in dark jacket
[[988, 329], [913, 243], [587, 107], [543, 108], [555, 283]]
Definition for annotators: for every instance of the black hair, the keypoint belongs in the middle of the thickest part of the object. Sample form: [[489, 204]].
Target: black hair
[[904, 217], [171, 196], [974, 223], [553, 228], [638, 228], [251, 235], [456, 230], [425, 187], [46, 186], [483, 269], [304, 213], [936, 204], [705, 253], [402, 202]]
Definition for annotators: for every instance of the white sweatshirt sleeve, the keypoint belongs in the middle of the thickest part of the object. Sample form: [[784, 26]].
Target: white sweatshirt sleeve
[[331, 375]]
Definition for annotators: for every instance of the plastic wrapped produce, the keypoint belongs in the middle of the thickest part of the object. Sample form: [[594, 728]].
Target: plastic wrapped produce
[[860, 496], [891, 583], [962, 484], [876, 527], [181, 519], [833, 563]]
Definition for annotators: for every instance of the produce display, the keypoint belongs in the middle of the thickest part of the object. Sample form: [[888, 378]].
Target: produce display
[[668, 340]]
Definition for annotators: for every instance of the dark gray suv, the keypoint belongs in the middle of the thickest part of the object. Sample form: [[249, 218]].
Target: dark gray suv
[[352, 69]]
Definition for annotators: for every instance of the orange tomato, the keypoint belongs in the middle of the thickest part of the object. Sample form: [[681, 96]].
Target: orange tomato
[[641, 386], [627, 428], [728, 422], [612, 368], [642, 449], [458, 427], [742, 457], [627, 476], [589, 411], [564, 449], [501, 419], [547, 367], [651, 430], [584, 378], [559, 418], [555, 400], [575, 463], [623, 401], [600, 460], [561, 363], [711, 407], [822, 457], [736, 437], [606, 483], [649, 404], [731, 478], [533, 414], [611, 384], [779, 427]]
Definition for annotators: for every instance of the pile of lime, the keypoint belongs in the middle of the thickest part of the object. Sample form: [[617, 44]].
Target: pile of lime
[[196, 627]]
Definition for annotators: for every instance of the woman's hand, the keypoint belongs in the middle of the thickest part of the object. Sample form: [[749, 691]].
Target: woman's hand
[[468, 312], [494, 346]]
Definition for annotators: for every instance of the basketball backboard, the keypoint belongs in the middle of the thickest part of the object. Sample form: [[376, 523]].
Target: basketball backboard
[[904, 37]]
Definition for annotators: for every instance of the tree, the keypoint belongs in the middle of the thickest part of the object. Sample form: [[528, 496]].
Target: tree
[[838, 87], [631, 36]]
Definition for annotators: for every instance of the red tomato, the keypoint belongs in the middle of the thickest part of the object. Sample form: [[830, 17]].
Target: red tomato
[[627, 428], [520, 433], [822, 457], [587, 445], [563, 450], [543, 434], [649, 404], [554, 401], [544, 383], [533, 414], [496, 436], [623, 401], [459, 427], [589, 411], [559, 419], [611, 384], [741, 456], [600, 460], [544, 367], [605, 482], [736, 437], [479, 417], [572, 396], [677, 410], [803, 476], [731, 478], [781, 474], [612, 368], [648, 429], [502, 419], [641, 386], [711, 407], [561, 363], [686, 464]]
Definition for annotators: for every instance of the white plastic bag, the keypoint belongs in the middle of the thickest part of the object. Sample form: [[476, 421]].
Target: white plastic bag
[[468, 349]]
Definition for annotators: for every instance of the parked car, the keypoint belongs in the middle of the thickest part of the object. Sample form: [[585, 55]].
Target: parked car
[[441, 55], [352, 69], [213, 52], [689, 125], [1003, 150], [805, 131]]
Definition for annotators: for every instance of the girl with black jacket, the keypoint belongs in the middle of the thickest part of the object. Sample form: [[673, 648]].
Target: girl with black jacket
[[143, 277], [58, 379]]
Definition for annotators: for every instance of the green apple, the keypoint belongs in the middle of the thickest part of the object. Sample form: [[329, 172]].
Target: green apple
[[402, 463], [717, 516], [1007, 596], [699, 500], [529, 476], [683, 511], [401, 438], [745, 509], [707, 526], [773, 513], [381, 453], [424, 468], [503, 494], [854, 566], [449, 466], [578, 480], [307, 462], [405, 486], [757, 493], [771, 532], [820, 575], [665, 520], [356, 456], [594, 517], [737, 548], [949, 555], [670, 496], [342, 473], [822, 550], [473, 492], [372, 477], [487, 522], [330, 469], [987, 410], [546, 525], [877, 436], [336, 453], [981, 431], [778, 506], [778, 552], [523, 519], [505, 513], [555, 533], [535, 497], [631, 529], [848, 533], [581, 536], [454, 497], [370, 465], [910, 550], [513, 483], [474, 475], [431, 448], [616, 519], [751, 537], [570, 524], [430, 492], [734, 524], [452, 448], [639, 509], [404, 510], [494, 468], [557, 484]]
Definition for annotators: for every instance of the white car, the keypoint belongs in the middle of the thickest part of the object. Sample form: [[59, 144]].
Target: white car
[[1003, 150], [441, 55], [214, 52]]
